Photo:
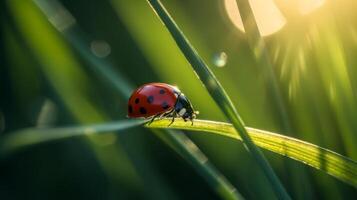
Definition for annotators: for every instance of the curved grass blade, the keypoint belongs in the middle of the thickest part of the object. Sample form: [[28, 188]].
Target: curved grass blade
[[219, 95], [332, 163], [32, 136]]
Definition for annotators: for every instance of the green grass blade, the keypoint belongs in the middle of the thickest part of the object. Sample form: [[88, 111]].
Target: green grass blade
[[32, 136], [219, 95], [275, 98], [332, 163]]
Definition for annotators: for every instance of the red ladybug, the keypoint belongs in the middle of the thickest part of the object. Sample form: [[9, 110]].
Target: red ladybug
[[160, 100]]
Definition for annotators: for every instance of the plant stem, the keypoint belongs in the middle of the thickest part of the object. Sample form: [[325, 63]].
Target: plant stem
[[332, 163], [219, 95]]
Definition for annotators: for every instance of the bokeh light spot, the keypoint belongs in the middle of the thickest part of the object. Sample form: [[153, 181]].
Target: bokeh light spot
[[220, 59], [267, 15], [100, 48]]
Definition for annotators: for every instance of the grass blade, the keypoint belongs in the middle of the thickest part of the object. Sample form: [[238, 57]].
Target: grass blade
[[219, 95], [32, 136], [332, 163], [258, 47]]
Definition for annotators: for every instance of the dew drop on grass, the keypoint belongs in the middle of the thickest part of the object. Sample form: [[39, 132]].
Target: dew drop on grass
[[100, 48], [220, 59]]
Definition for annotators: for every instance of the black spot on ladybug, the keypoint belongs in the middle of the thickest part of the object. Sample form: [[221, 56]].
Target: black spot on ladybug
[[164, 105], [150, 99], [162, 91], [137, 100], [142, 110], [130, 109]]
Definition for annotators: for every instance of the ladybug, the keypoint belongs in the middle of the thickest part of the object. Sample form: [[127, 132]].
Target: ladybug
[[154, 100]]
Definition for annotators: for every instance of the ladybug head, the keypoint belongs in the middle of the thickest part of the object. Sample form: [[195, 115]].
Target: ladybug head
[[184, 108], [190, 115]]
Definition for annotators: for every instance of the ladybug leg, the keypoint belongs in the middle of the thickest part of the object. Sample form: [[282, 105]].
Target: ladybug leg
[[174, 115], [153, 118], [172, 121], [168, 114], [162, 115]]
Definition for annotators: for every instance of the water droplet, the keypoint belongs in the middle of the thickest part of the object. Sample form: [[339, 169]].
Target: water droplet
[[100, 48], [220, 59]]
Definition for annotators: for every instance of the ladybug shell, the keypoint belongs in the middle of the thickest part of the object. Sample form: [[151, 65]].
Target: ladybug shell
[[152, 99]]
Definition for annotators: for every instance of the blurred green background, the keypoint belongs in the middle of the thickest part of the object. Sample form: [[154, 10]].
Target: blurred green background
[[71, 62]]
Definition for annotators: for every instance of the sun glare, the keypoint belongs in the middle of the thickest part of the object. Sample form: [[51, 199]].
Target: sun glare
[[267, 15], [307, 6]]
